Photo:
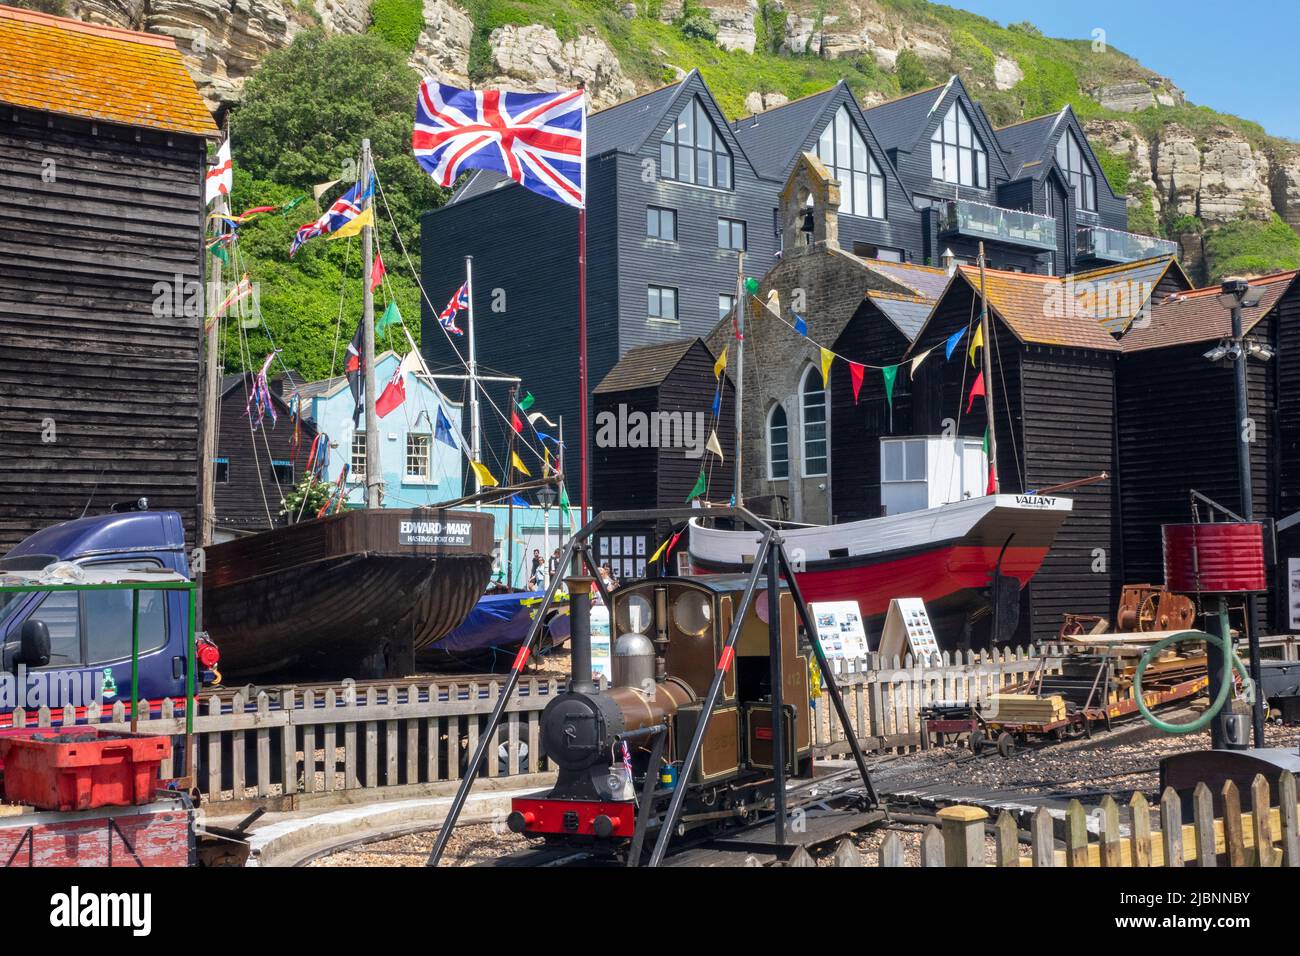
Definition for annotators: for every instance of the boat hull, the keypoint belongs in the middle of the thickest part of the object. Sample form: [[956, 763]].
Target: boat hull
[[351, 595], [946, 556]]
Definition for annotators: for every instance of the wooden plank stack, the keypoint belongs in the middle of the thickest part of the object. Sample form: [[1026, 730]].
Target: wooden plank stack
[[1024, 708]]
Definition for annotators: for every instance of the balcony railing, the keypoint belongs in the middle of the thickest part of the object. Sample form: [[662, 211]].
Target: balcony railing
[[1097, 243], [994, 223]]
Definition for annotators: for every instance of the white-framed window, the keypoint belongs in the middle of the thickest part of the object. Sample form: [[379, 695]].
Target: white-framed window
[[661, 304], [956, 153], [692, 150], [778, 444], [844, 151], [358, 464], [661, 223], [419, 452], [812, 417], [725, 304], [1074, 165]]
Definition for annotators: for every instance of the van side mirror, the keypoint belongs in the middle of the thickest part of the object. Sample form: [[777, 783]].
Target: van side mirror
[[34, 644]]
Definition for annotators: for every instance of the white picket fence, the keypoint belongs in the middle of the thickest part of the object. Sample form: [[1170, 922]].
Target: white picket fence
[[322, 741]]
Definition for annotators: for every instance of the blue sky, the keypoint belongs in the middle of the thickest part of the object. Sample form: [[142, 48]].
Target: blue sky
[[1240, 57]]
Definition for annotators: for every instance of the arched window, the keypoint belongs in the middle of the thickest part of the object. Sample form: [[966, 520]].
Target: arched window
[[693, 151], [778, 444], [1074, 164], [956, 153], [844, 151], [812, 415]]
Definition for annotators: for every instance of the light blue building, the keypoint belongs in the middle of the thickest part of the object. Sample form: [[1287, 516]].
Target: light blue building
[[417, 468]]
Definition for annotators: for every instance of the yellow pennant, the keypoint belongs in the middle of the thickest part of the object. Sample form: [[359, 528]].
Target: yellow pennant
[[720, 364], [714, 446], [916, 362], [827, 357], [976, 342], [546, 462], [484, 476], [659, 552], [353, 227], [519, 464]]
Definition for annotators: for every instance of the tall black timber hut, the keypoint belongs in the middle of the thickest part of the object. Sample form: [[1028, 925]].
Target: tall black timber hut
[[102, 160]]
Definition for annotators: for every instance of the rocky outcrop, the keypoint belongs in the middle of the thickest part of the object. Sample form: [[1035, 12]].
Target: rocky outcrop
[[735, 25], [534, 57], [1006, 73], [1124, 139], [1285, 187], [1137, 95], [443, 47], [756, 102]]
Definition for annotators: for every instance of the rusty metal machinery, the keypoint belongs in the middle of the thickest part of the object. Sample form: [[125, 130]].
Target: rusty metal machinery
[[1153, 607]]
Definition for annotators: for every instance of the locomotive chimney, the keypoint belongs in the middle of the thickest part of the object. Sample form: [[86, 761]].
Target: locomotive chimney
[[580, 635]]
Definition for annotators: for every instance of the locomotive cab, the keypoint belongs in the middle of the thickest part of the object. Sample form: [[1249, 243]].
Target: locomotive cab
[[619, 746]]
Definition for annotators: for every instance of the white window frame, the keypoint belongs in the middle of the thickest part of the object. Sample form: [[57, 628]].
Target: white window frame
[[843, 148], [690, 135], [427, 476], [1081, 179], [357, 460], [771, 445], [961, 152], [804, 438]]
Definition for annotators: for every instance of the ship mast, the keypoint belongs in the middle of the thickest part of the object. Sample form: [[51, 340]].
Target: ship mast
[[986, 362], [211, 396], [374, 473], [741, 305]]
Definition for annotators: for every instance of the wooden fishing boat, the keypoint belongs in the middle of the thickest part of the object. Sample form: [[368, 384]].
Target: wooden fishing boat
[[350, 595]]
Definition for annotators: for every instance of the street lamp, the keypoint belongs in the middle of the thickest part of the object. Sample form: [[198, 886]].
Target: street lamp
[[1235, 295], [546, 497]]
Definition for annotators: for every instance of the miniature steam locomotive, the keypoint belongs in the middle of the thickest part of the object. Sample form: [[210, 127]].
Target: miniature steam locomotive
[[619, 750]]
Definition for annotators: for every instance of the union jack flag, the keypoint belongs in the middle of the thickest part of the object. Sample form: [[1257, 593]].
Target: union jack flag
[[537, 139], [343, 210], [448, 315]]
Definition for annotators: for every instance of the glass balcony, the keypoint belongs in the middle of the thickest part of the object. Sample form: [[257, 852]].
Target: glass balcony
[[1013, 227], [1097, 244]]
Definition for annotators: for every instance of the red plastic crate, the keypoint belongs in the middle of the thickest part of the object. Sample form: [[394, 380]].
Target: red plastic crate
[[81, 769]]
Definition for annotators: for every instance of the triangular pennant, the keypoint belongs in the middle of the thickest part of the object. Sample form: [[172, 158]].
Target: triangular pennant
[[442, 431], [518, 464], [377, 272], [952, 342], [720, 364], [354, 225], [518, 501], [660, 550], [701, 484], [975, 342], [774, 302], [717, 403], [827, 358], [800, 325], [713, 445], [220, 179], [484, 476], [515, 423], [856, 371], [993, 480], [319, 189], [391, 316], [986, 442], [916, 362], [889, 373], [526, 402], [564, 500], [535, 417], [976, 390]]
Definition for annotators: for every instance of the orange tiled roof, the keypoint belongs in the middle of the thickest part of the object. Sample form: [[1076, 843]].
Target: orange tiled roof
[[96, 72], [1197, 316], [1038, 309]]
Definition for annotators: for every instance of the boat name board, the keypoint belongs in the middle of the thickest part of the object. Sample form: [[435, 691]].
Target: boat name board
[[453, 533], [1035, 501]]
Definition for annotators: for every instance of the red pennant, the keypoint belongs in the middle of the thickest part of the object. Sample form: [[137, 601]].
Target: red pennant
[[855, 373], [975, 390], [672, 543], [377, 272], [993, 479], [515, 423]]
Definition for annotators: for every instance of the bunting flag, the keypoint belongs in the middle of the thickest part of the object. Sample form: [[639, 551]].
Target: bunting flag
[[526, 402], [856, 372], [377, 272], [976, 341], [714, 445], [827, 358], [391, 316], [993, 477], [218, 247], [220, 179], [976, 391], [660, 550], [352, 368], [518, 464], [800, 325], [721, 363], [535, 417], [545, 437], [342, 212], [916, 362], [889, 373], [354, 225], [442, 430], [242, 290], [717, 402], [484, 476], [319, 189], [259, 398], [518, 501], [774, 302], [564, 503], [394, 392], [952, 342], [318, 456], [515, 423], [295, 407], [672, 542], [701, 484]]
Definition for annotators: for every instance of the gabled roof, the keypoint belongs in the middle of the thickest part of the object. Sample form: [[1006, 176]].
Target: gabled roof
[[64, 66], [626, 125], [907, 312], [774, 138], [1197, 316], [647, 366], [1115, 295], [1026, 144]]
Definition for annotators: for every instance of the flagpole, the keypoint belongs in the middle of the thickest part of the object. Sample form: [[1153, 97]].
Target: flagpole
[[510, 502], [986, 363], [741, 305], [374, 471], [474, 424], [212, 391], [584, 451]]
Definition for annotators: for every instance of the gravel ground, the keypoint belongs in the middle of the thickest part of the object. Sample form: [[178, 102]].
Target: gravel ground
[[469, 845]]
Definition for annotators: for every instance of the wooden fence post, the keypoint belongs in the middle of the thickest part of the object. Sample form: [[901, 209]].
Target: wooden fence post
[[1108, 833], [1171, 827], [1288, 811], [1140, 831], [891, 850], [1234, 838], [1007, 840], [1260, 812], [1203, 822], [931, 847], [846, 854], [1076, 835], [1044, 844], [963, 835]]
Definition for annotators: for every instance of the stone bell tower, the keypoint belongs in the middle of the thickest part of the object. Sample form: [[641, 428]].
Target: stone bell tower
[[810, 189]]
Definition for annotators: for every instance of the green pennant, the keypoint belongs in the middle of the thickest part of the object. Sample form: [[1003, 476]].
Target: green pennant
[[291, 203], [751, 285], [986, 442], [219, 250], [526, 402], [889, 372], [391, 316], [701, 485], [564, 501]]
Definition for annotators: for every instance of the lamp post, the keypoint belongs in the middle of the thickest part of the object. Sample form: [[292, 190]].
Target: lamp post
[[1234, 295], [546, 497]]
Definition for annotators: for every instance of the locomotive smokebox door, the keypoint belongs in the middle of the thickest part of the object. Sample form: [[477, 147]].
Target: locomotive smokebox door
[[758, 736]]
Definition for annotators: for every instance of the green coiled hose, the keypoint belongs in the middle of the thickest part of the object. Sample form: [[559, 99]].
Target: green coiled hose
[[1230, 661]]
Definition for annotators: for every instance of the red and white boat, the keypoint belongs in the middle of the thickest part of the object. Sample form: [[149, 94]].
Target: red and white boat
[[946, 555]]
